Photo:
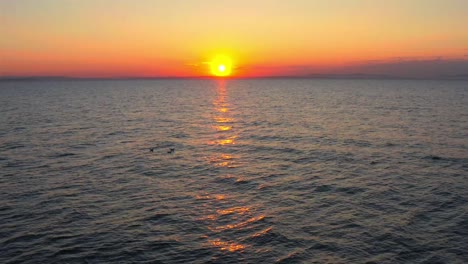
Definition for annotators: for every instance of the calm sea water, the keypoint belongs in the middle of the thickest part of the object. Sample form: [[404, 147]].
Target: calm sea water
[[264, 171]]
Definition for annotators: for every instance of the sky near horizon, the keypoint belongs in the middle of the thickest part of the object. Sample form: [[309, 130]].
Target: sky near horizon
[[118, 38]]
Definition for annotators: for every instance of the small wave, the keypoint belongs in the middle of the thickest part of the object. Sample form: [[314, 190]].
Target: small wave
[[13, 164], [433, 157], [210, 197], [242, 181], [5, 208], [180, 135], [83, 145], [110, 156], [23, 238], [236, 180], [156, 217], [324, 246], [227, 245], [265, 234], [453, 160], [62, 155], [293, 257], [13, 146], [240, 224], [323, 188], [350, 190], [304, 160], [114, 133], [358, 143], [71, 251], [263, 148]]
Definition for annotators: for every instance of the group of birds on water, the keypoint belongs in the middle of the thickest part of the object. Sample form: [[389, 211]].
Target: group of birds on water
[[171, 150]]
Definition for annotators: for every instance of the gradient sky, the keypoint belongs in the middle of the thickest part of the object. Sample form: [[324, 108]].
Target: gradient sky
[[117, 38]]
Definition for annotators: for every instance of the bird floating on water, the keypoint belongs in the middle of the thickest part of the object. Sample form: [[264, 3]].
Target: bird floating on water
[[151, 149], [171, 150]]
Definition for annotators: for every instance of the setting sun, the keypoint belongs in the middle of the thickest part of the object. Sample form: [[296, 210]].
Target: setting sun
[[221, 66]]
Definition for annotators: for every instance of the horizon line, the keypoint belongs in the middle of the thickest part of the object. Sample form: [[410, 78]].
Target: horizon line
[[203, 77]]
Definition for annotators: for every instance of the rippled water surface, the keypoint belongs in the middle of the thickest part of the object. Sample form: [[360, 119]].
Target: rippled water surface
[[263, 171]]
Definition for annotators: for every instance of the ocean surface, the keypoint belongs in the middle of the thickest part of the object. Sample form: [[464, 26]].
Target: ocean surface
[[263, 171]]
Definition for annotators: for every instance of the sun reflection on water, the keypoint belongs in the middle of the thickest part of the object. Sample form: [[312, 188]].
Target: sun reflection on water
[[239, 210], [240, 224], [220, 119], [263, 232], [224, 211], [213, 196], [223, 128], [224, 141], [226, 245], [223, 160]]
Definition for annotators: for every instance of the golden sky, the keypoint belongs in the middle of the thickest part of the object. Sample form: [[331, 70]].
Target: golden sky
[[117, 38]]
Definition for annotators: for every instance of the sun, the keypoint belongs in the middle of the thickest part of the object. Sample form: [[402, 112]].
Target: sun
[[221, 66]]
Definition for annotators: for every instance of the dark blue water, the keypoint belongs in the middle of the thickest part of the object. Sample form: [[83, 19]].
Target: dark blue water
[[264, 171]]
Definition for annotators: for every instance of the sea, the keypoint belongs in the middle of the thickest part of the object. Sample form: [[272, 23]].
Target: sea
[[234, 171]]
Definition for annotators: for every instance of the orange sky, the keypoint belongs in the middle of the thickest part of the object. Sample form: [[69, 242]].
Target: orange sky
[[118, 38]]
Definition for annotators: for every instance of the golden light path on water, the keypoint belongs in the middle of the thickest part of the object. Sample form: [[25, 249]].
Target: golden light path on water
[[221, 220]]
